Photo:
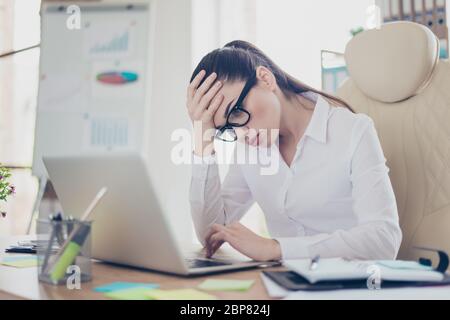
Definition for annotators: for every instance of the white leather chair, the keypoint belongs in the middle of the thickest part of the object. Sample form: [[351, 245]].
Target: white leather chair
[[396, 78]]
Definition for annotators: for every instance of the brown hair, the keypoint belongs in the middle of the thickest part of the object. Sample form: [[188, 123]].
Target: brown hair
[[238, 60]]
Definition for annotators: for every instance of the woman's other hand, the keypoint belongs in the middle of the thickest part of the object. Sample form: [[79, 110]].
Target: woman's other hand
[[243, 240]]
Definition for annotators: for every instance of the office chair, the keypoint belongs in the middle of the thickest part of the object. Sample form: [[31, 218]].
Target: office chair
[[396, 78]]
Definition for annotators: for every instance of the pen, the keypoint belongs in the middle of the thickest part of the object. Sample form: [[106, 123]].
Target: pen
[[56, 231], [56, 222], [314, 263]]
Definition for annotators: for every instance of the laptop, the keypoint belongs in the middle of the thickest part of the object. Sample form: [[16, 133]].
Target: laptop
[[129, 225]]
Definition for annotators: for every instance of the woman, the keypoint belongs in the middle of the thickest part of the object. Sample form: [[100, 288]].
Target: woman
[[331, 195]]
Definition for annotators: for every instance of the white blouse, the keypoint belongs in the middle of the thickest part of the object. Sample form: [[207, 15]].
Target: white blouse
[[335, 200]]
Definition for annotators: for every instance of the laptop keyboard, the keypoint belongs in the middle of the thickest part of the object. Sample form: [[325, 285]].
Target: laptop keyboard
[[198, 263]]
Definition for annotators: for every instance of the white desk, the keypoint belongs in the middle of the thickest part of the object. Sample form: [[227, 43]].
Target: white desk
[[22, 283]]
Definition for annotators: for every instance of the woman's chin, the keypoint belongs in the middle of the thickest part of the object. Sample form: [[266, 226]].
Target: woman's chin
[[262, 142]]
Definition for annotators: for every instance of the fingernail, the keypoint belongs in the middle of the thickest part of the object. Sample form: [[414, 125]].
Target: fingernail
[[218, 84]]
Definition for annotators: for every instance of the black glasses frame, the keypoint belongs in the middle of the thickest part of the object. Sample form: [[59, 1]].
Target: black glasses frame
[[237, 107]]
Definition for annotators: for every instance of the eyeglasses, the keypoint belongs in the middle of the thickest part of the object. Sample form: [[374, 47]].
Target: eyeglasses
[[237, 116]]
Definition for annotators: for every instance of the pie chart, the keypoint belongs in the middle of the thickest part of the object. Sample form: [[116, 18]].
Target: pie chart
[[117, 77]]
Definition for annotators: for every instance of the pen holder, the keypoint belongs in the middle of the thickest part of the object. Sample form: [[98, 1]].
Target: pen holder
[[64, 251]]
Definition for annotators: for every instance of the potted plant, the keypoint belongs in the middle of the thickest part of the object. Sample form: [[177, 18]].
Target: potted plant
[[6, 188]]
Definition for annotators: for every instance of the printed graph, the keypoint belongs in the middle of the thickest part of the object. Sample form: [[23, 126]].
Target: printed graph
[[117, 44], [109, 132], [109, 40]]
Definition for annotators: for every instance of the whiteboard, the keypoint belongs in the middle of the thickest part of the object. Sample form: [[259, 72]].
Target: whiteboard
[[94, 80]]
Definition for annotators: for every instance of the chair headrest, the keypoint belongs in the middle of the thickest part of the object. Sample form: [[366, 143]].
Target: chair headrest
[[394, 62]]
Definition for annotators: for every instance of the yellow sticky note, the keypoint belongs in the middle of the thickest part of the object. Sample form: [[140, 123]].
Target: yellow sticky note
[[226, 285], [129, 294], [20, 263], [178, 294]]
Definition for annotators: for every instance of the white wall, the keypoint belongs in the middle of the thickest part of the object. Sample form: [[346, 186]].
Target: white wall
[[294, 32], [448, 12]]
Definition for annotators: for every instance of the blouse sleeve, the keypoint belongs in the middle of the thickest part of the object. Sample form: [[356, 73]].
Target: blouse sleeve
[[215, 202]]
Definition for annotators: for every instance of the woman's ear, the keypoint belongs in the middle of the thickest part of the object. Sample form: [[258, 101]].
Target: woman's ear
[[266, 78]]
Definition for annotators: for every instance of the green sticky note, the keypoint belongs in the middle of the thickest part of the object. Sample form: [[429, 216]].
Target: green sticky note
[[116, 286], [178, 294], [226, 285], [129, 294], [20, 262]]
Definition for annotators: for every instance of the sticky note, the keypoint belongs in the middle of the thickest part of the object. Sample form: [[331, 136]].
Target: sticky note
[[20, 261], [17, 258], [129, 294], [226, 285], [178, 294], [115, 286]]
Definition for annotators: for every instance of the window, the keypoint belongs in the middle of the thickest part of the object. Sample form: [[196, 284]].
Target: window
[[19, 28]]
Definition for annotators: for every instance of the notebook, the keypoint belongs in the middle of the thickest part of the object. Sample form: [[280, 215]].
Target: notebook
[[341, 269]]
